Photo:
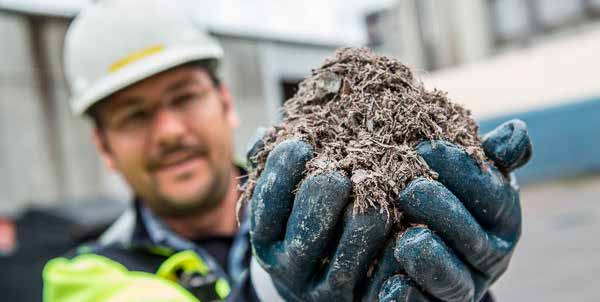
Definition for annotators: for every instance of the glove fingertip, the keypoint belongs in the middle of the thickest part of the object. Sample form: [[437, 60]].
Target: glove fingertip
[[426, 148], [509, 145], [333, 184], [438, 149], [293, 153], [442, 157]]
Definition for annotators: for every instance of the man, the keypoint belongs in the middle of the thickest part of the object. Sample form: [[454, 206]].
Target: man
[[148, 79]]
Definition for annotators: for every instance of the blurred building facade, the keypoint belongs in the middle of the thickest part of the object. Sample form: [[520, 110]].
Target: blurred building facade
[[46, 153], [531, 59], [432, 35], [536, 60]]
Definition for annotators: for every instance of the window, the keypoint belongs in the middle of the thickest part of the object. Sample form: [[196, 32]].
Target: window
[[592, 8], [375, 28], [511, 20], [553, 14], [289, 87], [517, 21]]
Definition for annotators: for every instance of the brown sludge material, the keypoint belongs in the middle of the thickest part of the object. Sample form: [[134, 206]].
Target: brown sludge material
[[364, 114]]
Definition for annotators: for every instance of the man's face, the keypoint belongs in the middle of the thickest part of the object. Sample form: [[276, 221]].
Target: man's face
[[170, 136]]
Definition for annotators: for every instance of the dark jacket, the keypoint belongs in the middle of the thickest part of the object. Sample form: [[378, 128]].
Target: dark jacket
[[140, 242]]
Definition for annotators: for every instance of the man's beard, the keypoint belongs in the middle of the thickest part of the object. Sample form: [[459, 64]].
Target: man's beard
[[207, 199]]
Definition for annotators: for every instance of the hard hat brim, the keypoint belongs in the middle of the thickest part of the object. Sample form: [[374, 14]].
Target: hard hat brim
[[140, 70]]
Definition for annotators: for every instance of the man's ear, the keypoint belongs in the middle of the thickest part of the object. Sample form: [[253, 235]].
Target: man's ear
[[228, 106], [103, 148]]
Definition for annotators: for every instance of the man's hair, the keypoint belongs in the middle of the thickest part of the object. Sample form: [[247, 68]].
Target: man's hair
[[208, 65]]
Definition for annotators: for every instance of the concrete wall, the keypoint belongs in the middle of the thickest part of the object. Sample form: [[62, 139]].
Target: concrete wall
[[400, 34], [241, 73], [26, 169], [47, 156], [430, 34], [82, 172]]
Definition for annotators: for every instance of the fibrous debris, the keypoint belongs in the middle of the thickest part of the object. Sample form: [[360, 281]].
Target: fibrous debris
[[364, 114]]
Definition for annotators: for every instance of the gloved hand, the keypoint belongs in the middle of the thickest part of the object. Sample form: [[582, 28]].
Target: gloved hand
[[473, 219], [309, 241]]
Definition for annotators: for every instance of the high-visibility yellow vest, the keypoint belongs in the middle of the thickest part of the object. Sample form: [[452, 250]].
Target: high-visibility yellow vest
[[94, 278]]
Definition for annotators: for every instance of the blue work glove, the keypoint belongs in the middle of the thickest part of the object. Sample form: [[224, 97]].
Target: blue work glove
[[473, 219], [303, 231]]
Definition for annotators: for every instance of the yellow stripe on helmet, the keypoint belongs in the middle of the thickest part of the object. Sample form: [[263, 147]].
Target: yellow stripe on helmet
[[135, 56]]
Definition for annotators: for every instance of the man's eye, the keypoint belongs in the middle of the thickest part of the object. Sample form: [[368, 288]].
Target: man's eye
[[184, 99], [137, 114], [133, 117]]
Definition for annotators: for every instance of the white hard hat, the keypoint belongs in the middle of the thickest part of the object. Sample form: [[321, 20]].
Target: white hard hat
[[112, 44]]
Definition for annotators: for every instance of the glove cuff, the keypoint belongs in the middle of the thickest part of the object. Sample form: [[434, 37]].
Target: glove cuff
[[263, 284]]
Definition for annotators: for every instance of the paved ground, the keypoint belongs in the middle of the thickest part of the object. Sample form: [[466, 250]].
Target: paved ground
[[558, 258]]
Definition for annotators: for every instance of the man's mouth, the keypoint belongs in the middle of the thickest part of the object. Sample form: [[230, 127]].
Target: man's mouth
[[177, 164], [175, 160]]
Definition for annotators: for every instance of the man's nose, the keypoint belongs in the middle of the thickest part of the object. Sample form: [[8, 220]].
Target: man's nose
[[167, 127]]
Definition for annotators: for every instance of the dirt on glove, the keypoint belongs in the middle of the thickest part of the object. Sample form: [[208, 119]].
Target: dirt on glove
[[364, 114]]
